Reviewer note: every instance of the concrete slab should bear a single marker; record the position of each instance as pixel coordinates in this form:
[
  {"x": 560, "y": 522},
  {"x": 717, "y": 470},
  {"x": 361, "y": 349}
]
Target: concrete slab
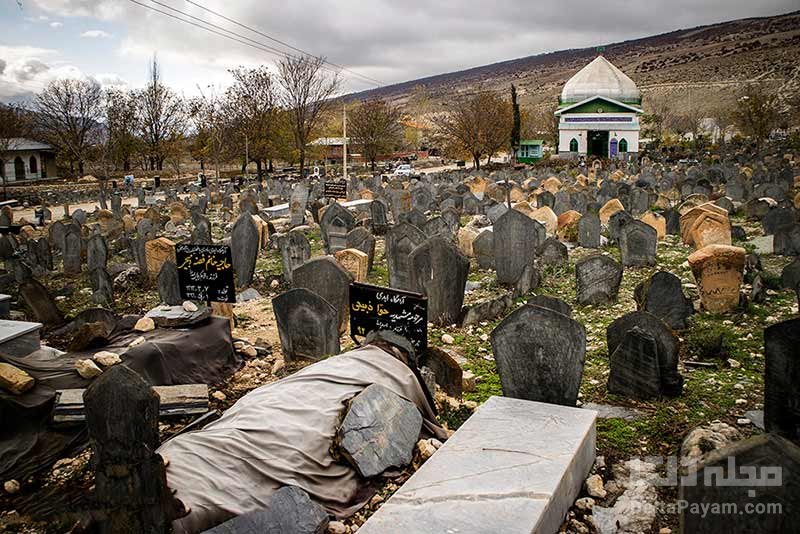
[
  {"x": 514, "y": 467},
  {"x": 19, "y": 338}
]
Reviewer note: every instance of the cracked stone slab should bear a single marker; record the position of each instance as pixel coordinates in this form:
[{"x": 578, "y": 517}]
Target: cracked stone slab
[
  {"x": 514, "y": 466},
  {"x": 379, "y": 431}
]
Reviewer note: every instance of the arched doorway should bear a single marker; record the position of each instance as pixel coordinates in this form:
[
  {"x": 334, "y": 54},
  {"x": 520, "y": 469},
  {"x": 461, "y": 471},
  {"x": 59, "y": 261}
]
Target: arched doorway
[
  {"x": 19, "y": 169},
  {"x": 612, "y": 148},
  {"x": 573, "y": 145},
  {"x": 33, "y": 165},
  {"x": 623, "y": 145}
]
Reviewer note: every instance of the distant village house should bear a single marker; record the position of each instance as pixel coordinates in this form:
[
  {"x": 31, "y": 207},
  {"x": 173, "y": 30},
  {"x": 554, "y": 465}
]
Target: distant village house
[{"x": 26, "y": 159}]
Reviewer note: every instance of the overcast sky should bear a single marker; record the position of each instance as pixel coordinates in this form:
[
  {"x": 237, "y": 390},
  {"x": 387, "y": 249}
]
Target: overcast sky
[{"x": 391, "y": 41}]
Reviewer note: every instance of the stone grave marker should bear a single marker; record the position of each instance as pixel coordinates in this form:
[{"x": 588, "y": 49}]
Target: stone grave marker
[
  {"x": 362, "y": 239},
  {"x": 325, "y": 277},
  {"x": 540, "y": 355},
  {"x": 718, "y": 270},
  {"x": 597, "y": 280},
  {"x": 781, "y": 376},
  {"x": 401, "y": 240},
  {"x": 245, "y": 245},
  {"x": 589, "y": 231},
  {"x": 295, "y": 250},
  {"x": 637, "y": 243},
  {"x": 439, "y": 271},
  {"x": 516, "y": 239},
  {"x": 308, "y": 325},
  {"x": 662, "y": 295}
]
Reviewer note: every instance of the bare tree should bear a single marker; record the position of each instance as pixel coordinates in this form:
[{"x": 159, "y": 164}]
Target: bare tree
[
  {"x": 14, "y": 124},
  {"x": 375, "y": 128},
  {"x": 162, "y": 118},
  {"x": 307, "y": 92},
  {"x": 252, "y": 103},
  {"x": 68, "y": 113},
  {"x": 478, "y": 127},
  {"x": 659, "y": 114},
  {"x": 757, "y": 113},
  {"x": 121, "y": 123},
  {"x": 211, "y": 118}
]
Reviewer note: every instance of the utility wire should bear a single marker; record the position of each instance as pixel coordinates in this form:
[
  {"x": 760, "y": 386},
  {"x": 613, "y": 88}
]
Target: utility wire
[
  {"x": 234, "y": 36},
  {"x": 273, "y": 39}
]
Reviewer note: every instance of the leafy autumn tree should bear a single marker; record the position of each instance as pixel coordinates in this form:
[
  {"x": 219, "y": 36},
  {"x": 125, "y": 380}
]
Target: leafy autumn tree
[
  {"x": 68, "y": 115},
  {"x": 757, "y": 113},
  {"x": 306, "y": 94},
  {"x": 479, "y": 127},
  {"x": 375, "y": 127}
]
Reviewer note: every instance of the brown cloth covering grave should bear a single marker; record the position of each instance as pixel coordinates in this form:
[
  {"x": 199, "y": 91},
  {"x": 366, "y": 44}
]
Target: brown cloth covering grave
[
  {"x": 280, "y": 435},
  {"x": 201, "y": 354}
]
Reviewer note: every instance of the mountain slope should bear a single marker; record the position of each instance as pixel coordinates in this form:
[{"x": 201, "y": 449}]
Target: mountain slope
[{"x": 704, "y": 64}]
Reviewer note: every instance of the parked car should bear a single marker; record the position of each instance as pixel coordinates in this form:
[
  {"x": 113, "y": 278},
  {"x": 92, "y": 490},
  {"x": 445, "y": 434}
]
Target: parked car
[{"x": 403, "y": 170}]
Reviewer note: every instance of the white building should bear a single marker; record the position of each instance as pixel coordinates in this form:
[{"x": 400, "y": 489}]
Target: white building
[
  {"x": 26, "y": 159},
  {"x": 599, "y": 113}
]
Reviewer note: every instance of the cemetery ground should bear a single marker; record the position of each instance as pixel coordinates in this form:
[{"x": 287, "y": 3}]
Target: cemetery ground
[{"x": 721, "y": 359}]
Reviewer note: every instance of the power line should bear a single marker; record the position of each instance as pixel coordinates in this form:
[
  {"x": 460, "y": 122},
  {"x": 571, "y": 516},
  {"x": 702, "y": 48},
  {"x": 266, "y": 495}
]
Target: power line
[
  {"x": 282, "y": 42},
  {"x": 234, "y": 36}
]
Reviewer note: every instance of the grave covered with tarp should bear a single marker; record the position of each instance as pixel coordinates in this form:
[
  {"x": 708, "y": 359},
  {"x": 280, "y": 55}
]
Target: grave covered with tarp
[
  {"x": 281, "y": 434},
  {"x": 201, "y": 354}
]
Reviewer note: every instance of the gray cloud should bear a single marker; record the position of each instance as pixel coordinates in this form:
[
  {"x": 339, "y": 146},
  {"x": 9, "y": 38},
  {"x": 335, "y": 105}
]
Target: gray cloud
[
  {"x": 2, "y": 66},
  {"x": 397, "y": 41}
]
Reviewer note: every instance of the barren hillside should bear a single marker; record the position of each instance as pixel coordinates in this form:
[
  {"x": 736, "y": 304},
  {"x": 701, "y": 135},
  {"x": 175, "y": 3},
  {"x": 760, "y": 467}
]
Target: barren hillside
[{"x": 706, "y": 64}]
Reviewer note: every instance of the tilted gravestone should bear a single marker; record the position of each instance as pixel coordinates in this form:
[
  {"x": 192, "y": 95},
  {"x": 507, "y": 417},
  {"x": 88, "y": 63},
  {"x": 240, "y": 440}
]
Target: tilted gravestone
[
  {"x": 553, "y": 253},
  {"x": 201, "y": 233},
  {"x": 662, "y": 295},
  {"x": 781, "y": 377},
  {"x": 295, "y": 251},
  {"x": 597, "y": 280},
  {"x": 325, "y": 277},
  {"x": 637, "y": 244},
  {"x": 551, "y": 303},
  {"x": 72, "y": 251},
  {"x": 38, "y": 299},
  {"x": 102, "y": 285},
  {"x": 336, "y": 222},
  {"x": 516, "y": 239},
  {"x": 96, "y": 253},
  {"x": 401, "y": 240},
  {"x": 377, "y": 211},
  {"x": 439, "y": 271},
  {"x": 308, "y": 325},
  {"x": 540, "y": 355},
  {"x": 245, "y": 244},
  {"x": 671, "y": 380}
]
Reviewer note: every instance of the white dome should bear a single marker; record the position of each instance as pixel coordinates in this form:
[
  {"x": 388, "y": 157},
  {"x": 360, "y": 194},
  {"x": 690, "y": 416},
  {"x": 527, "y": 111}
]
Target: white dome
[{"x": 600, "y": 78}]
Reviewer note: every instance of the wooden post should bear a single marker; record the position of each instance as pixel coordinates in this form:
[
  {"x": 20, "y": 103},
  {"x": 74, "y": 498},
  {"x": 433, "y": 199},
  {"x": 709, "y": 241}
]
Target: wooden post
[{"x": 130, "y": 478}]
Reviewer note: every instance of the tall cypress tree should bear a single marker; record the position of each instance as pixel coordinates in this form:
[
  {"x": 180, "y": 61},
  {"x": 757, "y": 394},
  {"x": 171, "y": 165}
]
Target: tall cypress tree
[{"x": 515, "y": 129}]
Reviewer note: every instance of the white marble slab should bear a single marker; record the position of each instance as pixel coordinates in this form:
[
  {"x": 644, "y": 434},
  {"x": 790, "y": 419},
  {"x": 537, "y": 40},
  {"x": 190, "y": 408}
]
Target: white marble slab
[
  {"x": 19, "y": 338},
  {"x": 514, "y": 467}
]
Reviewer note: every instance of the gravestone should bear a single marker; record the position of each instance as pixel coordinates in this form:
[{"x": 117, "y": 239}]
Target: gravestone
[
  {"x": 551, "y": 303},
  {"x": 781, "y": 376},
  {"x": 439, "y": 271},
  {"x": 201, "y": 233},
  {"x": 361, "y": 239},
  {"x": 718, "y": 270},
  {"x": 553, "y": 253},
  {"x": 158, "y": 251},
  {"x": 330, "y": 281},
  {"x": 662, "y": 295},
  {"x": 336, "y": 222},
  {"x": 355, "y": 262},
  {"x": 297, "y": 205},
  {"x": 637, "y": 244},
  {"x": 96, "y": 253},
  {"x": 483, "y": 249},
  {"x": 38, "y": 299},
  {"x": 308, "y": 325},
  {"x": 72, "y": 251},
  {"x": 597, "y": 280},
  {"x": 295, "y": 251},
  {"x": 401, "y": 240},
  {"x": 589, "y": 231},
  {"x": 380, "y": 223},
  {"x": 667, "y": 343},
  {"x": 634, "y": 366},
  {"x": 130, "y": 484},
  {"x": 516, "y": 239},
  {"x": 751, "y": 486},
  {"x": 540, "y": 355},
  {"x": 168, "y": 287},
  {"x": 103, "y": 287},
  {"x": 245, "y": 244}
]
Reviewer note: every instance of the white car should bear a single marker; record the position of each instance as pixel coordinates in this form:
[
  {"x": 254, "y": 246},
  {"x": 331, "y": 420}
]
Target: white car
[{"x": 403, "y": 170}]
